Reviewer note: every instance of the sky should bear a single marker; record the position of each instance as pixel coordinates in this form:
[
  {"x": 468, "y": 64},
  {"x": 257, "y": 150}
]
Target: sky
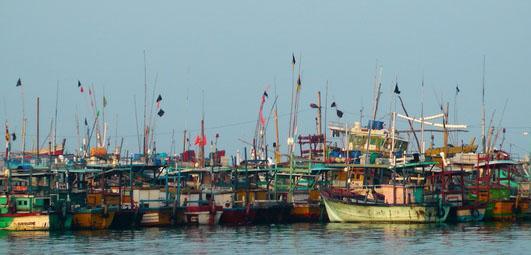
[{"x": 234, "y": 50}]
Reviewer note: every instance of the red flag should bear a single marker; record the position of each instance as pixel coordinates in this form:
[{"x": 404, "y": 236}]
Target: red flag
[
  {"x": 261, "y": 113},
  {"x": 81, "y": 89},
  {"x": 90, "y": 92},
  {"x": 200, "y": 141}
]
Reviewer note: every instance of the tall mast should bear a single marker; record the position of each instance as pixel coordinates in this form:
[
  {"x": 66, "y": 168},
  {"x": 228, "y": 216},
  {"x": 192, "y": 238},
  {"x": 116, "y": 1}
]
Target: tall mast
[
  {"x": 377, "y": 86},
  {"x": 136, "y": 122},
  {"x": 319, "y": 120},
  {"x": 483, "y": 140},
  {"x": 290, "y": 136},
  {"x": 38, "y": 127},
  {"x": 277, "y": 138},
  {"x": 144, "y": 147},
  {"x": 55, "y": 117},
  {"x": 203, "y": 143},
  {"x": 325, "y": 149},
  {"x": 24, "y": 122},
  {"x": 422, "y": 143}
]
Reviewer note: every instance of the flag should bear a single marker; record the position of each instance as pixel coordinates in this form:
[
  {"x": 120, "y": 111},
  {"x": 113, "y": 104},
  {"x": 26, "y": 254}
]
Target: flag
[
  {"x": 314, "y": 106},
  {"x": 78, "y": 83},
  {"x": 299, "y": 83},
  {"x": 86, "y": 122},
  {"x": 14, "y": 136},
  {"x": 333, "y": 105},
  {"x": 397, "y": 91},
  {"x": 8, "y": 137},
  {"x": 159, "y": 98},
  {"x": 81, "y": 89},
  {"x": 293, "y": 59},
  {"x": 265, "y": 94},
  {"x": 160, "y": 113},
  {"x": 97, "y": 113},
  {"x": 104, "y": 101},
  {"x": 19, "y": 82},
  {"x": 261, "y": 112},
  {"x": 90, "y": 91},
  {"x": 457, "y": 90},
  {"x": 339, "y": 113},
  {"x": 201, "y": 141}
]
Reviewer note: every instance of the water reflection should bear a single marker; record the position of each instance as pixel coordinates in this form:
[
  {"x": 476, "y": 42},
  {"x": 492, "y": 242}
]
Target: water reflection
[{"x": 293, "y": 239}]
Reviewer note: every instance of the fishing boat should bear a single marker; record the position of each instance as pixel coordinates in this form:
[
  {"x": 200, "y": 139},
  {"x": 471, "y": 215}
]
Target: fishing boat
[
  {"x": 345, "y": 207},
  {"x": 198, "y": 197},
  {"x": 504, "y": 202},
  {"x": 27, "y": 212},
  {"x": 31, "y": 203}
]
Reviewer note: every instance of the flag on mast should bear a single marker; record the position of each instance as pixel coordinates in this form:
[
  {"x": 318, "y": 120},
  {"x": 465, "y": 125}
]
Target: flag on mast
[
  {"x": 159, "y": 98},
  {"x": 261, "y": 113},
  {"x": 19, "y": 82},
  {"x": 397, "y": 90},
  {"x": 299, "y": 83}
]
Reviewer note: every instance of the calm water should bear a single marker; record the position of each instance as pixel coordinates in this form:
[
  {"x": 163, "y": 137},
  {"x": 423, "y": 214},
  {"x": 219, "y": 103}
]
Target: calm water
[{"x": 497, "y": 238}]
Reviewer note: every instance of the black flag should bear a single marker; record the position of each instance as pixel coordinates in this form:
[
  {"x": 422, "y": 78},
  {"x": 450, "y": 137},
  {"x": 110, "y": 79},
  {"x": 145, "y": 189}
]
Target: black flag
[
  {"x": 457, "y": 90},
  {"x": 397, "y": 91},
  {"x": 160, "y": 113},
  {"x": 14, "y": 136},
  {"x": 159, "y": 98},
  {"x": 78, "y": 83},
  {"x": 265, "y": 94},
  {"x": 314, "y": 106},
  {"x": 19, "y": 82},
  {"x": 86, "y": 122},
  {"x": 339, "y": 113},
  {"x": 333, "y": 105},
  {"x": 293, "y": 59}
]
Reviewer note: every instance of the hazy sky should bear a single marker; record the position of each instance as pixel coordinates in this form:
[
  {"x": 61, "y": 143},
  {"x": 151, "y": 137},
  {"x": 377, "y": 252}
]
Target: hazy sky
[{"x": 235, "y": 49}]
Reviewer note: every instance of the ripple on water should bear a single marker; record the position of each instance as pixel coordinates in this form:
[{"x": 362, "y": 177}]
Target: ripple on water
[{"x": 330, "y": 238}]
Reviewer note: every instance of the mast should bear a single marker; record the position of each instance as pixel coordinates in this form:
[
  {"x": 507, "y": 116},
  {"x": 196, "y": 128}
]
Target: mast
[
  {"x": 55, "y": 117},
  {"x": 319, "y": 124},
  {"x": 202, "y": 144},
  {"x": 483, "y": 131},
  {"x": 290, "y": 136},
  {"x": 277, "y": 144},
  {"x": 325, "y": 149},
  {"x": 422, "y": 142},
  {"x": 137, "y": 130},
  {"x": 144, "y": 147},
  {"x": 376, "y": 99},
  {"x": 24, "y": 122},
  {"x": 38, "y": 128},
  {"x": 77, "y": 131}
]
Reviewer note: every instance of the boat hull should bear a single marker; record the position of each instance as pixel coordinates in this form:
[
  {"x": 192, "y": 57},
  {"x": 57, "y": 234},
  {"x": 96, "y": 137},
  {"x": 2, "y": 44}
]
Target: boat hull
[
  {"x": 339, "y": 211},
  {"x": 272, "y": 214},
  {"x": 467, "y": 214},
  {"x": 501, "y": 210},
  {"x": 35, "y": 221},
  {"x": 124, "y": 218},
  {"x": 93, "y": 219},
  {"x": 203, "y": 215},
  {"x": 156, "y": 217},
  {"x": 237, "y": 216},
  {"x": 306, "y": 213}
]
